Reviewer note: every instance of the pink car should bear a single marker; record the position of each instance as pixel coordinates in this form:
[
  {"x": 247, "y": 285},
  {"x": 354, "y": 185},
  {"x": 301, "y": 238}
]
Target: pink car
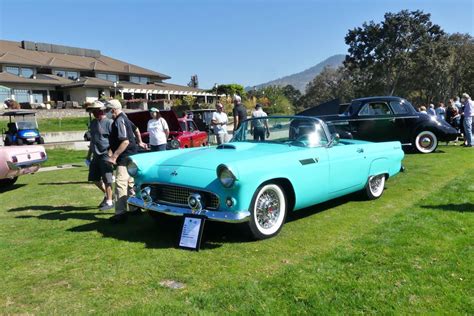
[{"x": 18, "y": 160}]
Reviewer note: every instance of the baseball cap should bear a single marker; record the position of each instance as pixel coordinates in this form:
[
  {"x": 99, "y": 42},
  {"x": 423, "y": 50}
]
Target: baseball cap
[
  {"x": 154, "y": 110},
  {"x": 113, "y": 104},
  {"x": 219, "y": 105}
]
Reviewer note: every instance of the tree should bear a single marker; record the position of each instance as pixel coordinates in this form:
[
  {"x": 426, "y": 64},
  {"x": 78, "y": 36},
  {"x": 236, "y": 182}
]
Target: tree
[
  {"x": 189, "y": 100},
  {"x": 194, "y": 82},
  {"x": 291, "y": 93},
  {"x": 231, "y": 89},
  {"x": 382, "y": 55},
  {"x": 330, "y": 84}
]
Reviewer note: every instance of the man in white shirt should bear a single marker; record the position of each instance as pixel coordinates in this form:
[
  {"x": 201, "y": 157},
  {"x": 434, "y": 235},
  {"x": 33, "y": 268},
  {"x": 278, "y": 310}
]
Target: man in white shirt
[
  {"x": 219, "y": 123},
  {"x": 259, "y": 128},
  {"x": 158, "y": 131}
]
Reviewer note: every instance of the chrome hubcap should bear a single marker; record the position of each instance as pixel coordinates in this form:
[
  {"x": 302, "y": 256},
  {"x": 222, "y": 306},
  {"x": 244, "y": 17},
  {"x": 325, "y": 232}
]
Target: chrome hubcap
[
  {"x": 426, "y": 142},
  {"x": 375, "y": 183},
  {"x": 268, "y": 209}
]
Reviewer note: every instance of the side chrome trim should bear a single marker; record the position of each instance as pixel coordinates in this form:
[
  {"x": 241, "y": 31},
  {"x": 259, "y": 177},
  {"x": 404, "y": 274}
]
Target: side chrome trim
[
  {"x": 228, "y": 217},
  {"x": 373, "y": 119}
]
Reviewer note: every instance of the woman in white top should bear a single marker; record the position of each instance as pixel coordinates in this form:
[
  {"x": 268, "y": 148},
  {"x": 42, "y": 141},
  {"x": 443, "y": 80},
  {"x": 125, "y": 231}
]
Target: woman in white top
[{"x": 158, "y": 131}]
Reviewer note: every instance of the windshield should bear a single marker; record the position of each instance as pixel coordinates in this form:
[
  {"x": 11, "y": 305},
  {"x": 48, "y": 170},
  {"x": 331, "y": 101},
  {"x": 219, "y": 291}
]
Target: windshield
[
  {"x": 294, "y": 131},
  {"x": 26, "y": 122}
]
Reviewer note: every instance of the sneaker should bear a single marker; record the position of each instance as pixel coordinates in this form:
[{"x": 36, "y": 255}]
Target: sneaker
[
  {"x": 118, "y": 218},
  {"x": 135, "y": 212},
  {"x": 106, "y": 207},
  {"x": 104, "y": 201}
]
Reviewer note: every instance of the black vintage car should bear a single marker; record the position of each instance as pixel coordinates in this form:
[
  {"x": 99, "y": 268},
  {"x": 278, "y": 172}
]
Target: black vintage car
[{"x": 387, "y": 118}]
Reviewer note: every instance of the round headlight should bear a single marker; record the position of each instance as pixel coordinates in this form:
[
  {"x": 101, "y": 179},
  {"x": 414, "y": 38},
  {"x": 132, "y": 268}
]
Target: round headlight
[
  {"x": 226, "y": 177},
  {"x": 132, "y": 168}
]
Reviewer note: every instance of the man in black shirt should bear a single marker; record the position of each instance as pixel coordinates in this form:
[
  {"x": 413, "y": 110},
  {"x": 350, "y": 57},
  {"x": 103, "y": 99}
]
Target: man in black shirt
[
  {"x": 239, "y": 112},
  {"x": 122, "y": 145}
]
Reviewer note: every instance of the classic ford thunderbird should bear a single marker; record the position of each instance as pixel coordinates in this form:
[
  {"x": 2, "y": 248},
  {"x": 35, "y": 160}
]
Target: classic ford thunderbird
[{"x": 297, "y": 163}]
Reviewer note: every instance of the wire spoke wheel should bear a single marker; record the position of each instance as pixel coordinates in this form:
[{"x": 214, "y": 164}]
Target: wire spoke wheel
[
  {"x": 269, "y": 209},
  {"x": 375, "y": 186}
]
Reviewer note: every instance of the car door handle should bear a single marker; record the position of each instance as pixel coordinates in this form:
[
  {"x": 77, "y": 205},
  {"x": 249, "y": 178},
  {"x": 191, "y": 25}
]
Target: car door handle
[{"x": 360, "y": 150}]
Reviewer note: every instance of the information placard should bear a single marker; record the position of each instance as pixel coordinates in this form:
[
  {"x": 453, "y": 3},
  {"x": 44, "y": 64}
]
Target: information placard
[{"x": 193, "y": 226}]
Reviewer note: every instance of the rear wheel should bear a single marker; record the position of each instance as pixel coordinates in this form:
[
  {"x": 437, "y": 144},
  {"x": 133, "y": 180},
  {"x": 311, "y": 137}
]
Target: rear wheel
[
  {"x": 375, "y": 186},
  {"x": 425, "y": 142},
  {"x": 19, "y": 141},
  {"x": 4, "y": 183},
  {"x": 268, "y": 211},
  {"x": 8, "y": 141}
]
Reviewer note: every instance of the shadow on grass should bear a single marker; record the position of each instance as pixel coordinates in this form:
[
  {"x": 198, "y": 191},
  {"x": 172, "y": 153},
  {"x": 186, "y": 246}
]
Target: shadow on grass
[
  {"x": 65, "y": 182},
  {"x": 464, "y": 207},
  {"x": 300, "y": 214},
  {"x": 11, "y": 187},
  {"x": 164, "y": 231},
  {"x": 49, "y": 208}
]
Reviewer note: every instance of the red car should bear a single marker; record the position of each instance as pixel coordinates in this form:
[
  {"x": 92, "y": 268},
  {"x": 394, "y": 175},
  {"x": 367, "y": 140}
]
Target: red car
[{"x": 183, "y": 132}]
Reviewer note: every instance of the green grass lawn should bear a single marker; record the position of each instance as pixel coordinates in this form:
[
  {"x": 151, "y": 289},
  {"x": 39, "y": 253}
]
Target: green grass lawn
[
  {"x": 60, "y": 156},
  {"x": 409, "y": 252},
  {"x": 67, "y": 124}
]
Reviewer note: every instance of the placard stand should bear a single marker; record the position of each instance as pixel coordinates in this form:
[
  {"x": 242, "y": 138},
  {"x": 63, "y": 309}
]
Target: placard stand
[{"x": 191, "y": 234}]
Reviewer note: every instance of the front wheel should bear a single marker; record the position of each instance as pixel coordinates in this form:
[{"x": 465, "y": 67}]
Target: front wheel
[
  {"x": 375, "y": 186},
  {"x": 268, "y": 211},
  {"x": 19, "y": 141},
  {"x": 40, "y": 140},
  {"x": 426, "y": 142}
]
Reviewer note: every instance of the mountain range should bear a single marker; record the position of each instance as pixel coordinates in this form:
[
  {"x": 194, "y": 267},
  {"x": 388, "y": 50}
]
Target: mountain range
[{"x": 301, "y": 79}]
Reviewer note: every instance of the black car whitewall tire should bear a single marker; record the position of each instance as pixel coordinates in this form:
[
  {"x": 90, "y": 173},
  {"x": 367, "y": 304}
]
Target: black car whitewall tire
[
  {"x": 375, "y": 186},
  {"x": 426, "y": 142},
  {"x": 268, "y": 209}
]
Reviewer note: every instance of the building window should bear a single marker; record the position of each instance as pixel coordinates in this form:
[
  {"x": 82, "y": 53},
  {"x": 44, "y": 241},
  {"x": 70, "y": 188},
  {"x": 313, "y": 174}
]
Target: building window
[
  {"x": 71, "y": 75},
  {"x": 4, "y": 94},
  {"x": 138, "y": 79},
  {"x": 108, "y": 77},
  {"x": 60, "y": 73},
  {"x": 13, "y": 70},
  {"x": 22, "y": 96},
  {"x": 27, "y": 72}
]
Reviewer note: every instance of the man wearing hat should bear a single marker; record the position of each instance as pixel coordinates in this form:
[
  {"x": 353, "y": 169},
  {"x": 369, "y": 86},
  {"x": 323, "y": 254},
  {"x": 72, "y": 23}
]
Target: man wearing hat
[
  {"x": 122, "y": 145},
  {"x": 468, "y": 111},
  {"x": 158, "y": 130},
  {"x": 100, "y": 172},
  {"x": 219, "y": 122},
  {"x": 259, "y": 127}
]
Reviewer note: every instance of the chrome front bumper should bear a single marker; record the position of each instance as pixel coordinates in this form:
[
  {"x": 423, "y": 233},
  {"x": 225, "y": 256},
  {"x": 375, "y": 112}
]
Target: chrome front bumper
[{"x": 228, "y": 217}]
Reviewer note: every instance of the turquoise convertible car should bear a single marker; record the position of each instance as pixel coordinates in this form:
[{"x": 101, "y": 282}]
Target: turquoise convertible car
[{"x": 298, "y": 163}]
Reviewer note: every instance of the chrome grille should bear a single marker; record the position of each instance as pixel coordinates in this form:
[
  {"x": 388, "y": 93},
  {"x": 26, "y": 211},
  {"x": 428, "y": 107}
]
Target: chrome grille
[{"x": 176, "y": 195}]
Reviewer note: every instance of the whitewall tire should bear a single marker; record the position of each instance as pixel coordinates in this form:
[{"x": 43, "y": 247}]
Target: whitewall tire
[
  {"x": 426, "y": 142},
  {"x": 268, "y": 211},
  {"x": 375, "y": 186}
]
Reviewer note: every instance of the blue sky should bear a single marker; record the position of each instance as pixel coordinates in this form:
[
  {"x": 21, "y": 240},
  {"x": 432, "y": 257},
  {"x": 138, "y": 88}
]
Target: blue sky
[{"x": 245, "y": 42}]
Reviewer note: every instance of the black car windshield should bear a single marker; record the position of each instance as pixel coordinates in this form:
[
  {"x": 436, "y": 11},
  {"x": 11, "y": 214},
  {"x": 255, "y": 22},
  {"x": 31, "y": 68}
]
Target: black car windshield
[{"x": 293, "y": 131}]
